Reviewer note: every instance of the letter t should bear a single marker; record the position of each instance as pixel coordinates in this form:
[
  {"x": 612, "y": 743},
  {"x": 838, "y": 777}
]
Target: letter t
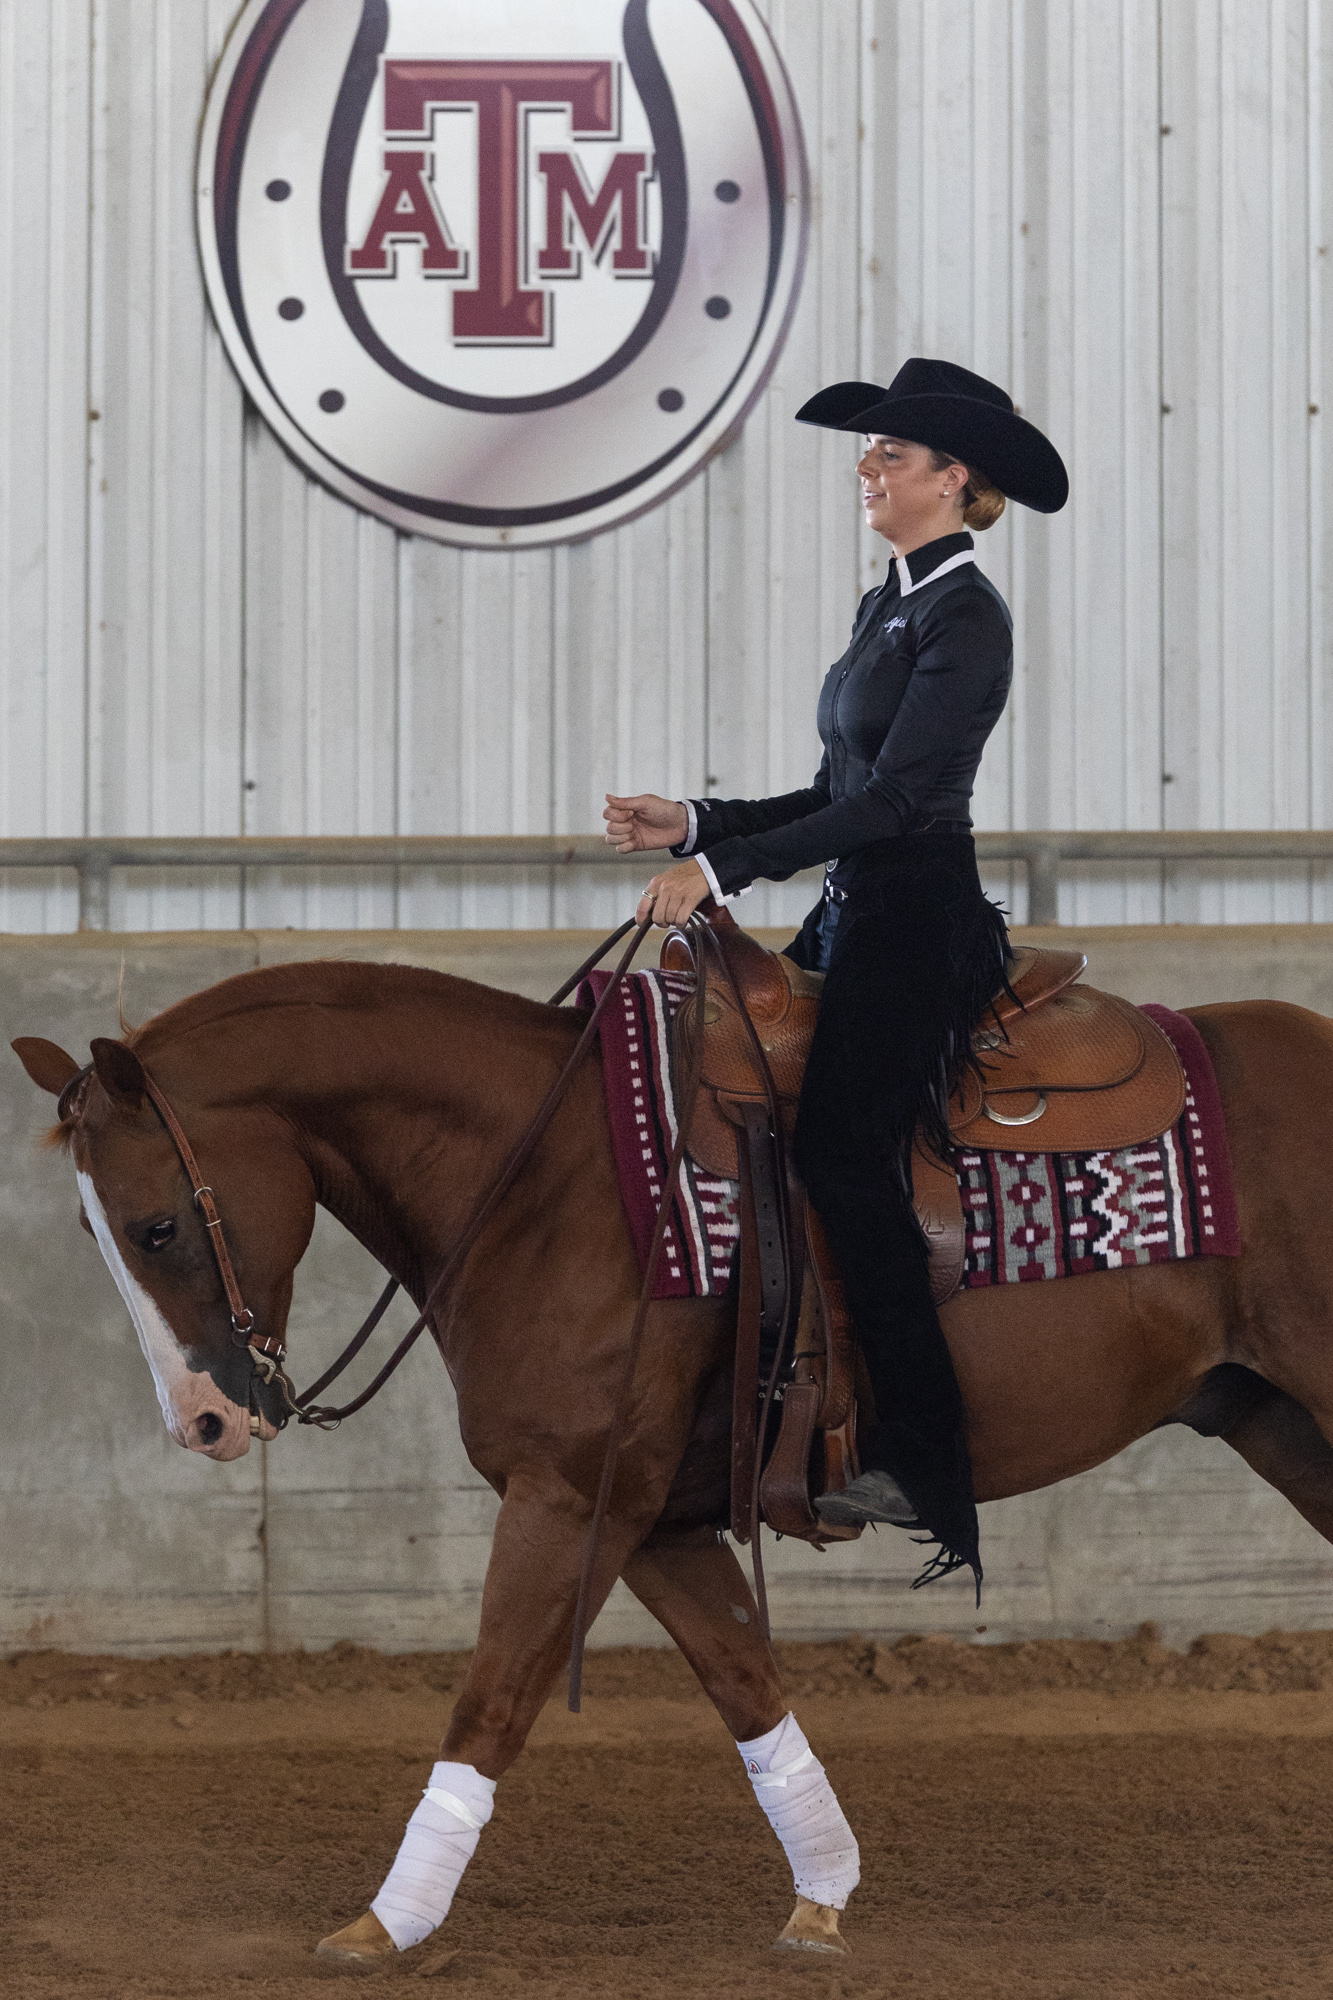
[{"x": 501, "y": 308}]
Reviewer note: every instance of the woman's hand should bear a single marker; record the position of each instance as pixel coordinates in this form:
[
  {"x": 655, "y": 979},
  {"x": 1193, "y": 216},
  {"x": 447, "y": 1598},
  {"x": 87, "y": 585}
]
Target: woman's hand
[
  {"x": 673, "y": 896},
  {"x": 635, "y": 825}
]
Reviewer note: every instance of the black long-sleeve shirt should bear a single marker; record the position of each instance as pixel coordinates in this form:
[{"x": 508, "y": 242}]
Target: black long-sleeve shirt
[{"x": 904, "y": 716}]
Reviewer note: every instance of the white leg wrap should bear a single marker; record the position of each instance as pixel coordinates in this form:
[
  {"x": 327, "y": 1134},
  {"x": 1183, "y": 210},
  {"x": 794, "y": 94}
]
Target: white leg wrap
[
  {"x": 804, "y": 1813},
  {"x": 441, "y": 1839}
]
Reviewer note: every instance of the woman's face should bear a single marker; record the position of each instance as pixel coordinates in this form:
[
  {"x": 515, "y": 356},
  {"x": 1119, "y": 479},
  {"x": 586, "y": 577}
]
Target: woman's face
[{"x": 904, "y": 492}]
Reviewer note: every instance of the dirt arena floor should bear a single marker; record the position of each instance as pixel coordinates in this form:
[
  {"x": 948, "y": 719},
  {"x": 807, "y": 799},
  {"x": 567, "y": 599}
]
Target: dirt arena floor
[{"x": 1043, "y": 1822}]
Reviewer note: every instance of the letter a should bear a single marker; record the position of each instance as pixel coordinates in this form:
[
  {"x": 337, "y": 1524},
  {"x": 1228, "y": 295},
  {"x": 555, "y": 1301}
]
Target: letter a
[{"x": 406, "y": 214}]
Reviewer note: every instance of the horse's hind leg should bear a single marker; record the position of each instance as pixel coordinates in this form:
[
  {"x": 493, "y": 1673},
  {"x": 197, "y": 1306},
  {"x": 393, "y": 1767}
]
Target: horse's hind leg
[
  {"x": 1279, "y": 1438},
  {"x": 694, "y": 1586}
]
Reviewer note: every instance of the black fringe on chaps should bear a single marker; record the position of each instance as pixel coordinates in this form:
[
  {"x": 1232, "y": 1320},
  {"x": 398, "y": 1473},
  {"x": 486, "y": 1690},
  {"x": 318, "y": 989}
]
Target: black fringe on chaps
[{"x": 917, "y": 957}]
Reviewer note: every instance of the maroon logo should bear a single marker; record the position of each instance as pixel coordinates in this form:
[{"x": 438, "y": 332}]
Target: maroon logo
[
  {"x": 502, "y": 271},
  {"x": 500, "y": 306}
]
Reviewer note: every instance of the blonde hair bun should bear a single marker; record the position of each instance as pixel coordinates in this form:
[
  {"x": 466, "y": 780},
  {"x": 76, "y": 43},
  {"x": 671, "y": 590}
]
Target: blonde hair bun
[{"x": 983, "y": 503}]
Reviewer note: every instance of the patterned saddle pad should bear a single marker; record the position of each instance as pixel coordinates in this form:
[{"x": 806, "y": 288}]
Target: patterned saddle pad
[
  {"x": 638, "y": 1074},
  {"x": 1028, "y": 1216},
  {"x": 1058, "y": 1215}
]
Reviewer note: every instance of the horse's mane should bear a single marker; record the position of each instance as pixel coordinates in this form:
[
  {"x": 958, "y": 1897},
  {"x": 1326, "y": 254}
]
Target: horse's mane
[{"x": 326, "y": 982}]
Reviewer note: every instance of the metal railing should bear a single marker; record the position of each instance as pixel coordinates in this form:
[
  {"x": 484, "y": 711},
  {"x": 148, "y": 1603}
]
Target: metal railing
[{"x": 1043, "y": 855}]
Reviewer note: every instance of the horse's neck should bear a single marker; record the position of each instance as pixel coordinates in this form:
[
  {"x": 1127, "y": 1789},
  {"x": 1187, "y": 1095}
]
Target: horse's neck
[{"x": 424, "y": 1103}]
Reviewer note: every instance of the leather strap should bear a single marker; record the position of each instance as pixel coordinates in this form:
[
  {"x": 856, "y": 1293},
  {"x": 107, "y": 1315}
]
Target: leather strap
[
  {"x": 242, "y": 1319},
  {"x": 786, "y": 1483},
  {"x": 354, "y": 1345},
  {"x": 268, "y": 1350},
  {"x": 770, "y": 1238},
  {"x": 745, "y": 1378},
  {"x": 774, "y": 1149},
  {"x": 764, "y": 1302},
  {"x": 595, "y": 958},
  {"x": 517, "y": 1158}
]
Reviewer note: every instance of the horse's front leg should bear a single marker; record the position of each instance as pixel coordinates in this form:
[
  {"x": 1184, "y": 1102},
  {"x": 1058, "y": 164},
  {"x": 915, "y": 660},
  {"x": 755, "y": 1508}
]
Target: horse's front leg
[
  {"x": 694, "y": 1586},
  {"x": 527, "y": 1623}
]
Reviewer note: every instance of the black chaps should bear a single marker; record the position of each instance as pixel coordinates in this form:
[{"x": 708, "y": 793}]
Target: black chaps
[{"x": 913, "y": 958}]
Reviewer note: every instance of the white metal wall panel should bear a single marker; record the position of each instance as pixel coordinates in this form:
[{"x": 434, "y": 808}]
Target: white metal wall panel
[
  {"x": 321, "y": 747},
  {"x": 1118, "y": 209},
  {"x": 1245, "y": 469},
  {"x": 1093, "y": 632},
  {"x": 628, "y": 687},
  {"x": 166, "y": 500},
  {"x": 45, "y": 91},
  {"x": 480, "y": 683}
]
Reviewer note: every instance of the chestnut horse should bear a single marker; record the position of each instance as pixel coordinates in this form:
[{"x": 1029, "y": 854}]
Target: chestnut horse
[{"x": 391, "y": 1096}]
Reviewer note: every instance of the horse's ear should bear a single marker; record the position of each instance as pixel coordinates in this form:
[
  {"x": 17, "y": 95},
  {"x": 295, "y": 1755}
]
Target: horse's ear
[
  {"x": 119, "y": 1072},
  {"x": 48, "y": 1066}
]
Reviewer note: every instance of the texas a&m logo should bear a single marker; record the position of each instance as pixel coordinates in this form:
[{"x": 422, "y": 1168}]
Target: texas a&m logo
[
  {"x": 506, "y": 299},
  {"x": 502, "y": 271}
]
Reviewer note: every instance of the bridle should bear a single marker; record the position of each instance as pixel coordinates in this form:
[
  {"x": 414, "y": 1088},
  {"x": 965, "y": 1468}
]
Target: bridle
[{"x": 268, "y": 1351}]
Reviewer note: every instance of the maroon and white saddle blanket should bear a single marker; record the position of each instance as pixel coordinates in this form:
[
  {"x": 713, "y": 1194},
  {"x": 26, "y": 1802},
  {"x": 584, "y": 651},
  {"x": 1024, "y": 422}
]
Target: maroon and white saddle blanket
[
  {"x": 638, "y": 1075},
  {"x": 1027, "y": 1215}
]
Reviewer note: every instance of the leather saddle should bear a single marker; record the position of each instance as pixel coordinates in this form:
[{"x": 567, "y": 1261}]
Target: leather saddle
[{"x": 1064, "y": 1069}]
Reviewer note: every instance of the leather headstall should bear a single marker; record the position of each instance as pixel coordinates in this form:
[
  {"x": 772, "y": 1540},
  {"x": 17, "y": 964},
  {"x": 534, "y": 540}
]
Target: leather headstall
[
  {"x": 267, "y": 1351},
  {"x": 774, "y": 1232}
]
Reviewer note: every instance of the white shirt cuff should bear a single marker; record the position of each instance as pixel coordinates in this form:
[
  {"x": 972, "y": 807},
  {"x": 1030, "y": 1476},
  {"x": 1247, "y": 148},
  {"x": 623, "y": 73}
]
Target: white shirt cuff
[
  {"x": 686, "y": 846},
  {"x": 714, "y": 886}
]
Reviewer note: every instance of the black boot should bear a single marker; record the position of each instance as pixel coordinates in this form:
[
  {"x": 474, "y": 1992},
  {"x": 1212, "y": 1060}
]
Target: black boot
[
  {"x": 874, "y": 1496},
  {"x": 919, "y": 1441}
]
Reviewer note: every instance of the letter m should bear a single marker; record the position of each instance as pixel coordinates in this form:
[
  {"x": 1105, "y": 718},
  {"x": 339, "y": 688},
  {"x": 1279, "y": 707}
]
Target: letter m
[{"x": 617, "y": 207}]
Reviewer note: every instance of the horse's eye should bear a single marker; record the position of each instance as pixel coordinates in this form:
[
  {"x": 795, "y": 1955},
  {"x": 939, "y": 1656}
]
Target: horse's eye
[{"x": 159, "y": 1235}]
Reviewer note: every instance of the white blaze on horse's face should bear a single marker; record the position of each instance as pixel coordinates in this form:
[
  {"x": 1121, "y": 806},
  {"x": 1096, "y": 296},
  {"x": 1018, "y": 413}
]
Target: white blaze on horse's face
[{"x": 197, "y": 1413}]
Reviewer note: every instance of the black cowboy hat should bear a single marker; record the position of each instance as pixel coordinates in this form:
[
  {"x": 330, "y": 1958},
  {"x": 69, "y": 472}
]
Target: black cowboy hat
[{"x": 951, "y": 409}]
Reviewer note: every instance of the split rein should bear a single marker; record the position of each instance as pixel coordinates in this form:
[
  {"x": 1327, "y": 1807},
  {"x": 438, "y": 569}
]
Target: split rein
[{"x": 267, "y": 1351}]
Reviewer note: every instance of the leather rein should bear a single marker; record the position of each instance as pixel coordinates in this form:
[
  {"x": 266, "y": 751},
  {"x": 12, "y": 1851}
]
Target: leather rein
[{"x": 267, "y": 1351}]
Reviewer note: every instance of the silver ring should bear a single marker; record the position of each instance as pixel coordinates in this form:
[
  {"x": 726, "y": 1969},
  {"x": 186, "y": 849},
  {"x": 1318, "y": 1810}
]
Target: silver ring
[{"x": 1022, "y": 1118}]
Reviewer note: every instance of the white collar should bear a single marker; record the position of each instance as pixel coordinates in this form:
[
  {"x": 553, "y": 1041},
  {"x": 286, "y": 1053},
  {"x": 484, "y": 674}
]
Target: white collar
[{"x": 905, "y": 583}]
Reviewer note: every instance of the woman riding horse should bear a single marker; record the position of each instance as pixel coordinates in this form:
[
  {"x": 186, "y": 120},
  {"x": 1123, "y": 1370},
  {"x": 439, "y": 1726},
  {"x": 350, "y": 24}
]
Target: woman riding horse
[{"x": 913, "y": 951}]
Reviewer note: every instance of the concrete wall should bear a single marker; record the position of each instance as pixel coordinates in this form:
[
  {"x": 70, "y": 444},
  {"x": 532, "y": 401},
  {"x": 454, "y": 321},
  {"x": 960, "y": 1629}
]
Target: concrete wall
[{"x": 113, "y": 1538}]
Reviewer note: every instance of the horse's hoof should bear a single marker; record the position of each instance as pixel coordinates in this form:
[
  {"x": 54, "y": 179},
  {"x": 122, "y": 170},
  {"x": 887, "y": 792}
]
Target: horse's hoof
[
  {"x": 812, "y": 1927},
  {"x": 365, "y": 1943}
]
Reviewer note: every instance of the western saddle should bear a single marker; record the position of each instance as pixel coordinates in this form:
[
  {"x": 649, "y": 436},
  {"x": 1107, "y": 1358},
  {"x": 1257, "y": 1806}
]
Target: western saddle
[{"x": 1066, "y": 1069}]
